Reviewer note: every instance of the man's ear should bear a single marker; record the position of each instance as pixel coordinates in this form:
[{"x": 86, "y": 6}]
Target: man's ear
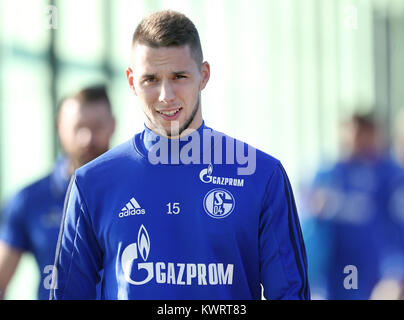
[
  {"x": 129, "y": 76},
  {"x": 205, "y": 72}
]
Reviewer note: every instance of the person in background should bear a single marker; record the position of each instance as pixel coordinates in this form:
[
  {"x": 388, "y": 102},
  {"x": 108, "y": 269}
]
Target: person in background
[
  {"x": 392, "y": 287},
  {"x": 31, "y": 219},
  {"x": 398, "y": 137},
  {"x": 352, "y": 234}
]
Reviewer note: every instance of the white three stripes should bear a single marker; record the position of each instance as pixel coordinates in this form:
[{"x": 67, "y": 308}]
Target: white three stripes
[{"x": 131, "y": 205}]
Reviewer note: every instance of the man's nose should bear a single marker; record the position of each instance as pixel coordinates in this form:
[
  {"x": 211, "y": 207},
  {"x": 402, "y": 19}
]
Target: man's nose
[
  {"x": 166, "y": 92},
  {"x": 84, "y": 137}
]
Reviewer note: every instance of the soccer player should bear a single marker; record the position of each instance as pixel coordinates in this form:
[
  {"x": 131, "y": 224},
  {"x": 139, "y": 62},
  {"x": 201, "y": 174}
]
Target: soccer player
[
  {"x": 398, "y": 137},
  {"x": 179, "y": 211},
  {"x": 356, "y": 240},
  {"x": 32, "y": 218}
]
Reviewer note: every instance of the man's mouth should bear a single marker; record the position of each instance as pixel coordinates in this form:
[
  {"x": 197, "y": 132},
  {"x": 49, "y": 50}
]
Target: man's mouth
[{"x": 169, "y": 113}]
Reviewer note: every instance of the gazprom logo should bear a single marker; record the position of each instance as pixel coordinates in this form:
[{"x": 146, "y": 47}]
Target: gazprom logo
[
  {"x": 144, "y": 242},
  {"x": 172, "y": 273},
  {"x": 205, "y": 175},
  {"x": 218, "y": 203},
  {"x": 130, "y": 254}
]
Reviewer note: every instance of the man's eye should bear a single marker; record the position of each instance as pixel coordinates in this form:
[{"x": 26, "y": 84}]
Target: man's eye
[
  {"x": 179, "y": 76},
  {"x": 149, "y": 80}
]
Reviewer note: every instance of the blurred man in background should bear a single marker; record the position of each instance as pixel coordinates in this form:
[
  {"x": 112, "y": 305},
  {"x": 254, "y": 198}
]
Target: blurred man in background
[
  {"x": 32, "y": 218},
  {"x": 399, "y": 136},
  {"x": 353, "y": 238}
]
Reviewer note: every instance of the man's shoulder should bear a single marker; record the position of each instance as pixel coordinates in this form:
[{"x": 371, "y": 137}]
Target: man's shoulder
[
  {"x": 34, "y": 192},
  {"x": 35, "y": 188}
]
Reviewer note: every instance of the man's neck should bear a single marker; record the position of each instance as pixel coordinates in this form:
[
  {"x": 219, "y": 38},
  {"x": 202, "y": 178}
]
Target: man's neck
[
  {"x": 175, "y": 134},
  {"x": 71, "y": 167}
]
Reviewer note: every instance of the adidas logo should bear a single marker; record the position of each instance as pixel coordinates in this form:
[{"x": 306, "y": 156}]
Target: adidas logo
[{"x": 131, "y": 208}]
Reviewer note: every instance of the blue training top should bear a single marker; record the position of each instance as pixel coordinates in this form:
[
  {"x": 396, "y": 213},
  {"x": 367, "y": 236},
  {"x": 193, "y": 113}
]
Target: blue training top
[
  {"x": 31, "y": 220},
  {"x": 173, "y": 230},
  {"x": 356, "y": 237}
]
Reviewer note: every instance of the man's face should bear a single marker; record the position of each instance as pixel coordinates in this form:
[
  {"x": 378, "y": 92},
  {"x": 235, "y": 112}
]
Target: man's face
[
  {"x": 84, "y": 130},
  {"x": 359, "y": 140},
  {"x": 168, "y": 83}
]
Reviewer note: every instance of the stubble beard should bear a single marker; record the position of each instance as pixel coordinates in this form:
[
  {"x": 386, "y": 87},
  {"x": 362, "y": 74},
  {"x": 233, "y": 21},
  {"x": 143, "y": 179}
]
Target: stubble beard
[{"x": 175, "y": 130}]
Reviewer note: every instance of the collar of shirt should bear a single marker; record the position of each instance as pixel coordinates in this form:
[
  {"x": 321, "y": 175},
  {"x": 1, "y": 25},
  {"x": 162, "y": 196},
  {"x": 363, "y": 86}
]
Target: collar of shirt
[
  {"x": 60, "y": 177},
  {"x": 163, "y": 150}
]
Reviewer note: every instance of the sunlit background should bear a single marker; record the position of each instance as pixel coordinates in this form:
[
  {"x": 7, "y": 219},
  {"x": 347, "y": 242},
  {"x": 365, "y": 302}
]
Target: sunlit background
[{"x": 283, "y": 73}]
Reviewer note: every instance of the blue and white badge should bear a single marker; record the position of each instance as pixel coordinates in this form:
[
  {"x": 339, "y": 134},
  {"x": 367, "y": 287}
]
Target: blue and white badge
[{"x": 219, "y": 203}]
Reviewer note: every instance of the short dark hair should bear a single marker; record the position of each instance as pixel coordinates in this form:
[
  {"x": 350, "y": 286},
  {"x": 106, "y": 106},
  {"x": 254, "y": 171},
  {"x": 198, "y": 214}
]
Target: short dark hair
[
  {"x": 365, "y": 120},
  {"x": 169, "y": 29},
  {"x": 88, "y": 95},
  {"x": 93, "y": 94}
]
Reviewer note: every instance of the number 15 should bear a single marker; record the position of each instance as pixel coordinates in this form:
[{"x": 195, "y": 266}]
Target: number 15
[{"x": 173, "y": 208}]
